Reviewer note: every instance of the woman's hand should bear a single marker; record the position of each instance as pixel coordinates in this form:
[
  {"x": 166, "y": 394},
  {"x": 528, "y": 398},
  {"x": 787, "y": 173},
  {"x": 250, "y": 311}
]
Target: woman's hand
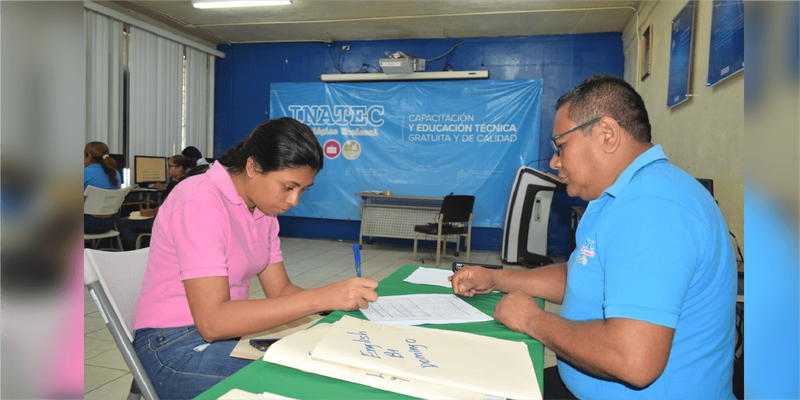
[{"x": 350, "y": 294}]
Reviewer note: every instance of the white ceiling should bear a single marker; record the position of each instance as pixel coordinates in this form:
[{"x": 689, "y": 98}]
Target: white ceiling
[{"x": 346, "y": 20}]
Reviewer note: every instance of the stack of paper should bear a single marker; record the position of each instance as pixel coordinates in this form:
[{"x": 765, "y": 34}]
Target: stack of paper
[
  {"x": 296, "y": 351},
  {"x": 430, "y": 276},
  {"x": 238, "y": 394},
  {"x": 426, "y": 363},
  {"x": 417, "y": 309}
]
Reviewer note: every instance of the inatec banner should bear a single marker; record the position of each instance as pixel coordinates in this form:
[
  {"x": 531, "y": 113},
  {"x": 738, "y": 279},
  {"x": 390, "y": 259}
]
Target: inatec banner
[{"x": 415, "y": 139}]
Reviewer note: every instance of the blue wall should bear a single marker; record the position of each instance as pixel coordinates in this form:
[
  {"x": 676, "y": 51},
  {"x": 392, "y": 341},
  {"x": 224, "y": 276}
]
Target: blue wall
[{"x": 244, "y": 76}]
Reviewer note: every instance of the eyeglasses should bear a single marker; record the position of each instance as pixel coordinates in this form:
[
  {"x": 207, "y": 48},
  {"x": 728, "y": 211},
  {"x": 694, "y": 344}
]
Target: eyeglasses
[{"x": 553, "y": 139}]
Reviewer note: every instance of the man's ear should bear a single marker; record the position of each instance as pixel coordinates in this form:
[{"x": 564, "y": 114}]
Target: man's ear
[{"x": 611, "y": 134}]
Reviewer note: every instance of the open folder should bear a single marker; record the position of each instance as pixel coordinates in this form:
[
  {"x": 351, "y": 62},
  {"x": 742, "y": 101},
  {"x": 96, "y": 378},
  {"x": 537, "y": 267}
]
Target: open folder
[
  {"x": 420, "y": 362},
  {"x": 295, "y": 351},
  {"x": 243, "y": 349}
]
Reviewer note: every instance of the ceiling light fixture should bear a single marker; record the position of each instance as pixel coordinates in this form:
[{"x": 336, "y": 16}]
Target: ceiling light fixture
[{"x": 238, "y": 3}]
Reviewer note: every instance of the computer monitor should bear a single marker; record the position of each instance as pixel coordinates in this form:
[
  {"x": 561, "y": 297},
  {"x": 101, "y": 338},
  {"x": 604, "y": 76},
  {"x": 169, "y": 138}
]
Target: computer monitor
[
  {"x": 149, "y": 169},
  {"x": 708, "y": 184},
  {"x": 120, "y": 159}
]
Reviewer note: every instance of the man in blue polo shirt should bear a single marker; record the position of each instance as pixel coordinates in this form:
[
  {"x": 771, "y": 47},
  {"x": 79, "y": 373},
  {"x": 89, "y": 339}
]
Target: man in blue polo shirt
[{"x": 648, "y": 297}]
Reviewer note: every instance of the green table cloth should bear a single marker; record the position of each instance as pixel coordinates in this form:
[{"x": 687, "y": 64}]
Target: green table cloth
[{"x": 261, "y": 376}]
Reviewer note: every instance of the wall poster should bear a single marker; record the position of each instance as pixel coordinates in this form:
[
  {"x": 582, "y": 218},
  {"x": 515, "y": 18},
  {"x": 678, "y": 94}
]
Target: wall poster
[
  {"x": 726, "y": 50},
  {"x": 680, "y": 56},
  {"x": 647, "y": 52}
]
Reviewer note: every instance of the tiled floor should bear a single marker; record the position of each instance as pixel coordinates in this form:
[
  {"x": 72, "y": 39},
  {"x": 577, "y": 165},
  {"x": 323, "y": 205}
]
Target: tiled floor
[{"x": 310, "y": 263}]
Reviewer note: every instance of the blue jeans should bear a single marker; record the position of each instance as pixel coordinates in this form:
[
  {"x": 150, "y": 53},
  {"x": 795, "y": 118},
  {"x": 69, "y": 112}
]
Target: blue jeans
[
  {"x": 181, "y": 364},
  {"x": 92, "y": 224},
  {"x": 130, "y": 229}
]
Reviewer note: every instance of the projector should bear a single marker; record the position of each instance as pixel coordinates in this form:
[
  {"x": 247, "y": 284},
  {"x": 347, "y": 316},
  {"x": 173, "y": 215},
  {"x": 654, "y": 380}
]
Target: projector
[
  {"x": 396, "y": 65},
  {"x": 404, "y": 65}
]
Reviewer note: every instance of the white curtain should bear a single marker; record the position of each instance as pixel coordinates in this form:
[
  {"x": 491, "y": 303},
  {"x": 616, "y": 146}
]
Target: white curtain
[
  {"x": 198, "y": 110},
  {"x": 104, "y": 69},
  {"x": 155, "y": 95}
]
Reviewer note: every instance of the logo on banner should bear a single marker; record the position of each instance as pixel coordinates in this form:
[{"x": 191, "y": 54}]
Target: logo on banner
[
  {"x": 352, "y": 149},
  {"x": 332, "y": 149}
]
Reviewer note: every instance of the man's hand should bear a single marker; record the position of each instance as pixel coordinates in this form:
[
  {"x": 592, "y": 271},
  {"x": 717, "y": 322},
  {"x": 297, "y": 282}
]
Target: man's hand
[
  {"x": 515, "y": 310},
  {"x": 470, "y": 280}
]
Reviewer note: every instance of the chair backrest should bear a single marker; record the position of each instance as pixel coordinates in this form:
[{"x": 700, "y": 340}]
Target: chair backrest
[
  {"x": 457, "y": 208},
  {"x": 103, "y": 201},
  {"x": 120, "y": 273}
]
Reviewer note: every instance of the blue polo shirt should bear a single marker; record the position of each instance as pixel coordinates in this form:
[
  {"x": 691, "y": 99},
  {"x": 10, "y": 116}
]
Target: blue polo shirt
[
  {"x": 655, "y": 247},
  {"x": 93, "y": 175}
]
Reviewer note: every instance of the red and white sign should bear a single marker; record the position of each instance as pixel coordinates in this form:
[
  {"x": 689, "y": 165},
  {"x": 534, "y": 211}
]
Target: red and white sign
[{"x": 332, "y": 149}]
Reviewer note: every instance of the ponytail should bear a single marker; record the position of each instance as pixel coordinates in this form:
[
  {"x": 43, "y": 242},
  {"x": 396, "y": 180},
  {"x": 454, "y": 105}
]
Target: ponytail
[
  {"x": 274, "y": 145},
  {"x": 110, "y": 168},
  {"x": 235, "y": 159}
]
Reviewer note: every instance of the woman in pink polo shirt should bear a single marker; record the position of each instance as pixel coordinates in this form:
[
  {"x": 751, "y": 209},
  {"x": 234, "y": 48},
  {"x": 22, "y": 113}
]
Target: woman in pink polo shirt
[{"x": 213, "y": 234}]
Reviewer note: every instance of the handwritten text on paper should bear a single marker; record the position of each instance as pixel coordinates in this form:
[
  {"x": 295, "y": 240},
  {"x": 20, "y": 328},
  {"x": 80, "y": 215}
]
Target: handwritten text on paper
[{"x": 371, "y": 350}]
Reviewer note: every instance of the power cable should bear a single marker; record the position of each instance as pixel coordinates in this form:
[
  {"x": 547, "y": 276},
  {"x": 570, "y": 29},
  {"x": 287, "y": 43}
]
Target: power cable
[{"x": 436, "y": 58}]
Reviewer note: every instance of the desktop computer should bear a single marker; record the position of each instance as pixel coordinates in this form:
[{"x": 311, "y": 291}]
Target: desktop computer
[
  {"x": 149, "y": 170},
  {"x": 528, "y": 218}
]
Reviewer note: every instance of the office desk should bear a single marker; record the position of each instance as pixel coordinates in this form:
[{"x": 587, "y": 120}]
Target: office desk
[
  {"x": 261, "y": 376},
  {"x": 395, "y": 216},
  {"x": 142, "y": 197}
]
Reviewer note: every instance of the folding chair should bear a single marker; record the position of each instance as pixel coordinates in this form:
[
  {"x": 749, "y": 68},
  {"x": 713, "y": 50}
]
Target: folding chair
[
  {"x": 454, "y": 218},
  {"x": 114, "y": 280},
  {"x": 140, "y": 237},
  {"x": 103, "y": 202}
]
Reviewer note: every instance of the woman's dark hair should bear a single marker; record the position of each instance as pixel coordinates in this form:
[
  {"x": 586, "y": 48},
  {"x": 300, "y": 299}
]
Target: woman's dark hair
[
  {"x": 182, "y": 162},
  {"x": 98, "y": 151},
  {"x": 192, "y": 153},
  {"x": 274, "y": 145}
]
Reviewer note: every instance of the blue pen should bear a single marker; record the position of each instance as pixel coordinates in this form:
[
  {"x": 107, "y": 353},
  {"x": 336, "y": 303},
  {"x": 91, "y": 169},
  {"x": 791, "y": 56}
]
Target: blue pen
[{"x": 357, "y": 255}]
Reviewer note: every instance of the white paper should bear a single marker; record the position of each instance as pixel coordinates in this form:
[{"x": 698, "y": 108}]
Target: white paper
[
  {"x": 417, "y": 309},
  {"x": 136, "y": 215},
  {"x": 430, "y": 276},
  {"x": 295, "y": 351},
  {"x": 238, "y": 394},
  {"x": 460, "y": 360}
]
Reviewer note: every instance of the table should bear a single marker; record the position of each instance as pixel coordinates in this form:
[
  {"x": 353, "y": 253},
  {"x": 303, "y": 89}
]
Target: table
[
  {"x": 141, "y": 197},
  {"x": 392, "y": 216},
  {"x": 261, "y": 376}
]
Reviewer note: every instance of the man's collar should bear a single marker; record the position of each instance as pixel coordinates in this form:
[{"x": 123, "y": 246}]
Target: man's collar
[{"x": 653, "y": 154}]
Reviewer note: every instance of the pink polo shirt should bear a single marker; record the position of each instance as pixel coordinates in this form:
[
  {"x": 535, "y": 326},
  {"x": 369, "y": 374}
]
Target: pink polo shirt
[{"x": 203, "y": 229}]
